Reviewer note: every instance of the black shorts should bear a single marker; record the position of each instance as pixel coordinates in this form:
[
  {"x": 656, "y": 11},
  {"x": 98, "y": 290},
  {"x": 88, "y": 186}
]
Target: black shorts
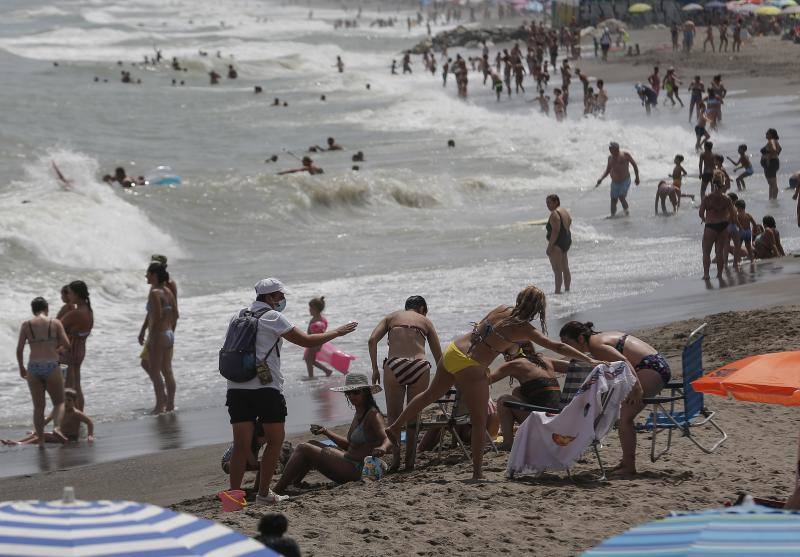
[{"x": 266, "y": 406}]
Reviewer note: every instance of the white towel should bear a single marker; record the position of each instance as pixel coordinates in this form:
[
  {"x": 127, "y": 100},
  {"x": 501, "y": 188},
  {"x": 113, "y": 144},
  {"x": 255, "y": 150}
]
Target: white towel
[{"x": 554, "y": 442}]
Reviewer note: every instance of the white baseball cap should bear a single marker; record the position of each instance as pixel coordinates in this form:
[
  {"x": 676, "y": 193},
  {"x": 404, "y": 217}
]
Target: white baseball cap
[{"x": 269, "y": 286}]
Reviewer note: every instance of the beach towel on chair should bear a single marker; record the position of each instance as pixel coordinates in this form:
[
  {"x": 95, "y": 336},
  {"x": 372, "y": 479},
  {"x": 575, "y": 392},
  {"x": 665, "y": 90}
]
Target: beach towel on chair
[{"x": 555, "y": 441}]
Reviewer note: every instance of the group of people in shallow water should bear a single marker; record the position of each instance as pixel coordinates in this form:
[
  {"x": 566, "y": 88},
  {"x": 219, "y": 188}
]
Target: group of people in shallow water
[
  {"x": 57, "y": 349},
  {"x": 412, "y": 383}
]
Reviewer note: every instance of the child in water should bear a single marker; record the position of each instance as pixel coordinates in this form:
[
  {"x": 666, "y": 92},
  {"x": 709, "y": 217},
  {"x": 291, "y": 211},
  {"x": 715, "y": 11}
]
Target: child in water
[
  {"x": 318, "y": 324},
  {"x": 742, "y": 164},
  {"x": 678, "y": 172}
]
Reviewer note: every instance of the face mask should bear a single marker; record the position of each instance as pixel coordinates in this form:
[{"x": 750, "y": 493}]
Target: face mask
[{"x": 280, "y": 306}]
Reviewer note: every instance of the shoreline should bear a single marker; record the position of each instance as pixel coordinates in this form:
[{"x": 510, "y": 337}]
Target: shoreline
[{"x": 451, "y": 512}]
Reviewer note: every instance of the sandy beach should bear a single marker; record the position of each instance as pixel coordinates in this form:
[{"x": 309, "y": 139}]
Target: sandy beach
[{"x": 435, "y": 510}]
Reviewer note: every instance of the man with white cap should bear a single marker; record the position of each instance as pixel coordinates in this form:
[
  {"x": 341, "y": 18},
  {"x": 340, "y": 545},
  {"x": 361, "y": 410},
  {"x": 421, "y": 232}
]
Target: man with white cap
[
  {"x": 262, "y": 401},
  {"x": 617, "y": 167}
]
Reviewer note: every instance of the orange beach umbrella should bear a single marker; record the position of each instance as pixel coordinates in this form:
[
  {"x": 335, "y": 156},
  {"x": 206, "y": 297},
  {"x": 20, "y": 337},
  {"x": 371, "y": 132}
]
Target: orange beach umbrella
[{"x": 769, "y": 378}]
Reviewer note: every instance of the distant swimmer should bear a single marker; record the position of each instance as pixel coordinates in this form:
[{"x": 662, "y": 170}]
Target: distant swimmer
[
  {"x": 175, "y": 64},
  {"x": 121, "y": 177},
  {"x": 617, "y": 167},
  {"x": 232, "y": 73},
  {"x": 308, "y": 166},
  {"x": 66, "y": 184},
  {"x": 358, "y": 157},
  {"x": 332, "y": 146},
  {"x": 214, "y": 77},
  {"x": 339, "y": 64}
]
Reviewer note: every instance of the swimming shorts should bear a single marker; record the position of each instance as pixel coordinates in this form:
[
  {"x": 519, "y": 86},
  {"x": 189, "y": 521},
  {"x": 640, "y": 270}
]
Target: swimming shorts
[
  {"x": 666, "y": 189},
  {"x": 733, "y": 229},
  {"x": 706, "y": 176},
  {"x": 749, "y": 172},
  {"x": 454, "y": 360},
  {"x": 746, "y": 236},
  {"x": 699, "y": 131},
  {"x": 717, "y": 226},
  {"x": 793, "y": 182},
  {"x": 42, "y": 370},
  {"x": 620, "y": 189}
]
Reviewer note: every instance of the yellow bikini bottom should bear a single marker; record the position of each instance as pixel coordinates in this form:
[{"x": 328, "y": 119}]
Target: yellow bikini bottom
[{"x": 454, "y": 360}]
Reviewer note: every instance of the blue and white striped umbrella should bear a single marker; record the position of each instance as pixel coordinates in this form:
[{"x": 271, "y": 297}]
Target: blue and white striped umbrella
[
  {"x": 744, "y": 531},
  {"x": 114, "y": 528}
]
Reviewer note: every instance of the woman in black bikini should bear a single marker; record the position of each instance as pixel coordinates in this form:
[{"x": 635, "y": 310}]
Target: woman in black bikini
[
  {"x": 537, "y": 385},
  {"x": 559, "y": 240},
  {"x": 406, "y": 372},
  {"x": 716, "y": 211},
  {"x": 770, "y": 161}
]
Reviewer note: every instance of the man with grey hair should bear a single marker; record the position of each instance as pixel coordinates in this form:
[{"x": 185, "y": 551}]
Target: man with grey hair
[{"x": 617, "y": 167}]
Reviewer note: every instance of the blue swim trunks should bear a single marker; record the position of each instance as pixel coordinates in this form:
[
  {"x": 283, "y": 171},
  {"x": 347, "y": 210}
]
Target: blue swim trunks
[{"x": 620, "y": 189}]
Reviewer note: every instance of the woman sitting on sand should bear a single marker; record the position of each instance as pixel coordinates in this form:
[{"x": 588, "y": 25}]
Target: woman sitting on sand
[
  {"x": 767, "y": 243},
  {"x": 406, "y": 371},
  {"x": 537, "y": 385},
  {"x": 651, "y": 369},
  {"x": 344, "y": 463},
  {"x": 466, "y": 361}
]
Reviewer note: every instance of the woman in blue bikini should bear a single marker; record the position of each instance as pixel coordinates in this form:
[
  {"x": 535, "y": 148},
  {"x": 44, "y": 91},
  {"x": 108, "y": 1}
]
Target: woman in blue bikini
[
  {"x": 45, "y": 337},
  {"x": 650, "y": 368}
]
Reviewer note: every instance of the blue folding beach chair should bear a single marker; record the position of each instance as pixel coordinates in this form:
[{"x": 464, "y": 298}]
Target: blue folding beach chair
[{"x": 686, "y": 408}]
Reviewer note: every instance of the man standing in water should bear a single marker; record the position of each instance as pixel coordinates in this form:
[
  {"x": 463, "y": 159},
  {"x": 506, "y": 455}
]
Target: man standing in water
[{"x": 620, "y": 176}]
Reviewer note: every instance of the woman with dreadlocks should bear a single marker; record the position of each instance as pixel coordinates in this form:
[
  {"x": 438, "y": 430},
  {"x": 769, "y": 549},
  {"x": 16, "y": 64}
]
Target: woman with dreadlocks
[{"x": 465, "y": 363}]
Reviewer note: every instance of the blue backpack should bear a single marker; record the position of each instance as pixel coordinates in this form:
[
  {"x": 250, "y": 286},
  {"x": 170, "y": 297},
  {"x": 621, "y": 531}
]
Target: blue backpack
[{"x": 237, "y": 358}]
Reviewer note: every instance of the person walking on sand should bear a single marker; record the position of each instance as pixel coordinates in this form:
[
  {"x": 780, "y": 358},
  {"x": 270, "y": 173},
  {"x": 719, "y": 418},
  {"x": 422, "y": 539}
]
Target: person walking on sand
[
  {"x": 160, "y": 324},
  {"x": 716, "y": 213},
  {"x": 45, "y": 337},
  {"x": 78, "y": 325},
  {"x": 617, "y": 167},
  {"x": 770, "y": 161},
  {"x": 559, "y": 240},
  {"x": 406, "y": 372},
  {"x": 318, "y": 324},
  {"x": 650, "y": 368},
  {"x": 261, "y": 399},
  {"x": 466, "y": 362}
]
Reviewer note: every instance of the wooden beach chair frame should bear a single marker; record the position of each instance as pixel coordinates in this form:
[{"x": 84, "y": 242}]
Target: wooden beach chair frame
[
  {"x": 576, "y": 376},
  {"x": 693, "y": 413}
]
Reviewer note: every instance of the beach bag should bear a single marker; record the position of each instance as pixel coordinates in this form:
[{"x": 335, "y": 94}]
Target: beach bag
[{"x": 237, "y": 357}]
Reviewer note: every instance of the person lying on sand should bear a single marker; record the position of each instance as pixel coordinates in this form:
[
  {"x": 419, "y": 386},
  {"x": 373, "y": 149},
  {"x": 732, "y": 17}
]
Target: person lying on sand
[
  {"x": 651, "y": 369},
  {"x": 345, "y": 462},
  {"x": 537, "y": 385},
  {"x": 308, "y": 166},
  {"x": 70, "y": 425}
]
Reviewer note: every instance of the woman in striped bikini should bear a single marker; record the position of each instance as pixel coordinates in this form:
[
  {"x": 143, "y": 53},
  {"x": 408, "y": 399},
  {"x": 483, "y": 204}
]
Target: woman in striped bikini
[{"x": 406, "y": 372}]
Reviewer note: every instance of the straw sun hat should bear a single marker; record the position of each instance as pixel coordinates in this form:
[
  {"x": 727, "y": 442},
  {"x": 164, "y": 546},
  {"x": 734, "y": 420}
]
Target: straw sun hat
[{"x": 356, "y": 381}]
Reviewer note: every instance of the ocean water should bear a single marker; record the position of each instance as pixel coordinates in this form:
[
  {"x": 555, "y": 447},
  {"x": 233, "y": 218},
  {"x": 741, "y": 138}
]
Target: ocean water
[{"x": 418, "y": 218}]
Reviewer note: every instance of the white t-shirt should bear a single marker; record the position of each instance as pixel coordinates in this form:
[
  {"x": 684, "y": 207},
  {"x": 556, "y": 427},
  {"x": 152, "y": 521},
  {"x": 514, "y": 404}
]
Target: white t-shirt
[{"x": 271, "y": 326}]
